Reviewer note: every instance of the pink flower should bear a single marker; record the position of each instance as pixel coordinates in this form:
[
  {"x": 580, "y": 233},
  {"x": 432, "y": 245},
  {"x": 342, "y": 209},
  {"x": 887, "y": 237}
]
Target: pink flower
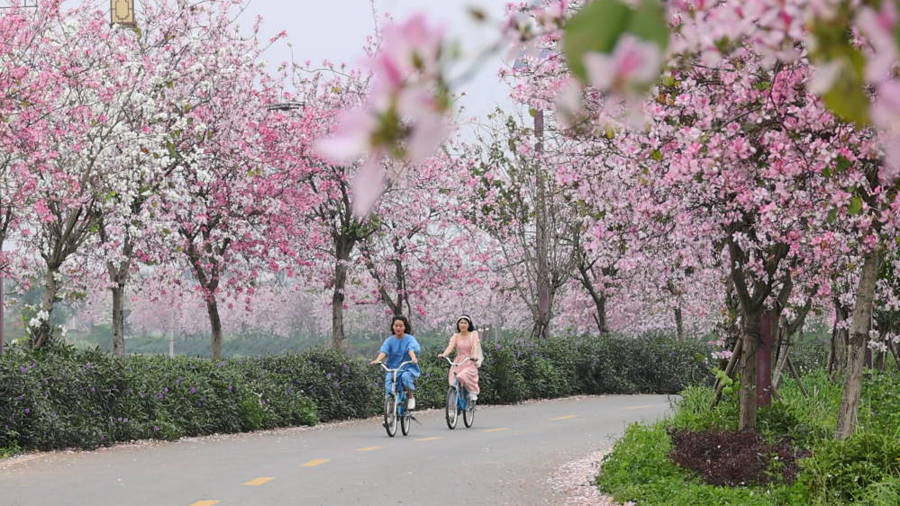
[
  {"x": 43, "y": 212},
  {"x": 350, "y": 139},
  {"x": 878, "y": 28},
  {"x": 551, "y": 16},
  {"x": 404, "y": 113},
  {"x": 368, "y": 184},
  {"x": 429, "y": 128},
  {"x": 633, "y": 64},
  {"x": 411, "y": 49},
  {"x": 886, "y": 116}
]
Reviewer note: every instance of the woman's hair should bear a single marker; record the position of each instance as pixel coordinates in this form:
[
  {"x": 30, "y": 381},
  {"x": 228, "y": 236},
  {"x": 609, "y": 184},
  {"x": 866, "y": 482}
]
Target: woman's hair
[
  {"x": 408, "y": 327},
  {"x": 468, "y": 320}
]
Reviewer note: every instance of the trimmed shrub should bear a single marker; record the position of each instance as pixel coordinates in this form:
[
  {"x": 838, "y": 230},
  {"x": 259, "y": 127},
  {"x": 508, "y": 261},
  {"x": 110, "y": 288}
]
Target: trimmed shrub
[
  {"x": 65, "y": 397},
  {"x": 865, "y": 464}
]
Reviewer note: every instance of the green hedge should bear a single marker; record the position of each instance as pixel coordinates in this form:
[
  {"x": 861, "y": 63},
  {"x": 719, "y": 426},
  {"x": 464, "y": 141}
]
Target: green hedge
[{"x": 63, "y": 397}]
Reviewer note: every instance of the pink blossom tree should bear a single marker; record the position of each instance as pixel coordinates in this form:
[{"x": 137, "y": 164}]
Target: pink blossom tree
[{"x": 227, "y": 196}]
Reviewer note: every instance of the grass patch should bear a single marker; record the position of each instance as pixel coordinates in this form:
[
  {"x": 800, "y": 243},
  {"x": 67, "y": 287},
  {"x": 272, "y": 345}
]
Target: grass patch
[{"x": 864, "y": 469}]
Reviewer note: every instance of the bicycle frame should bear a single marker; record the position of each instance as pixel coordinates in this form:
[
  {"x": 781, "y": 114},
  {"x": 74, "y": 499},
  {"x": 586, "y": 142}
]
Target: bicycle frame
[
  {"x": 401, "y": 406},
  {"x": 462, "y": 398}
]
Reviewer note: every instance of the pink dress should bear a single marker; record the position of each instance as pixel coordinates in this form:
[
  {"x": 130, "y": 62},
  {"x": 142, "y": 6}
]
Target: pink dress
[{"x": 468, "y": 371}]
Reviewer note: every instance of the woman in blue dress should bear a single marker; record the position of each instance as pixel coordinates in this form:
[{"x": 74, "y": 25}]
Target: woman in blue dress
[{"x": 399, "y": 348}]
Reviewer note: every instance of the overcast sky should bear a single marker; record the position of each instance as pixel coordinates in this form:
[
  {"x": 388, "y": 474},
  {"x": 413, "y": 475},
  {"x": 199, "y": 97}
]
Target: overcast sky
[{"x": 336, "y": 30}]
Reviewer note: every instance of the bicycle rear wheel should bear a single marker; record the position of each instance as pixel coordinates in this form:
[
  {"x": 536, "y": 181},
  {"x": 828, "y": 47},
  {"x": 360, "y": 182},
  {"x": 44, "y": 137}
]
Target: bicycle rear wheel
[
  {"x": 469, "y": 413},
  {"x": 452, "y": 411},
  {"x": 390, "y": 415}
]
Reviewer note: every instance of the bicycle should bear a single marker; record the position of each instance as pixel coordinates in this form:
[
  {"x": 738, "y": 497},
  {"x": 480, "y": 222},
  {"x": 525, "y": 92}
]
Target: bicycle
[
  {"x": 395, "y": 405},
  {"x": 458, "y": 401}
]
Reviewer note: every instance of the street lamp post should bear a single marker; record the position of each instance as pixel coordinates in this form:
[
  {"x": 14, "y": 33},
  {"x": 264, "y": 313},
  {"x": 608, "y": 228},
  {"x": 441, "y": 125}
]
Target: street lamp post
[{"x": 121, "y": 12}]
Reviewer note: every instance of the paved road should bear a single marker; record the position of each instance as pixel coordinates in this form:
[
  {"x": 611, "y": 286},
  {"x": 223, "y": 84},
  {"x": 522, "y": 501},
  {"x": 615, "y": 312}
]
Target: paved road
[{"x": 505, "y": 458}]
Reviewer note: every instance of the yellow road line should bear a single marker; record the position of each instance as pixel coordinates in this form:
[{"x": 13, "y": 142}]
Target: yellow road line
[
  {"x": 643, "y": 406},
  {"x": 498, "y": 429},
  {"x": 567, "y": 417},
  {"x": 432, "y": 438},
  {"x": 315, "y": 462},
  {"x": 255, "y": 482},
  {"x": 369, "y": 448},
  {"x": 205, "y": 502}
]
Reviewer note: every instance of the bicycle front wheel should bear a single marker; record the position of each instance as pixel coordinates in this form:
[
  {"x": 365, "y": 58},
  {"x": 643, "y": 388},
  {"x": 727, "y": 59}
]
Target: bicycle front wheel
[
  {"x": 405, "y": 421},
  {"x": 452, "y": 410},
  {"x": 390, "y": 415},
  {"x": 469, "y": 413}
]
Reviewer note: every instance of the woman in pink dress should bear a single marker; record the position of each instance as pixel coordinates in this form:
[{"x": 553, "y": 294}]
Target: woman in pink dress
[{"x": 467, "y": 344}]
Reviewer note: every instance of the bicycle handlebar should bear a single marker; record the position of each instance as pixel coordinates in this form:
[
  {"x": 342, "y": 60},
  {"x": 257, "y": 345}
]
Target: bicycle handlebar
[
  {"x": 456, "y": 363},
  {"x": 386, "y": 368}
]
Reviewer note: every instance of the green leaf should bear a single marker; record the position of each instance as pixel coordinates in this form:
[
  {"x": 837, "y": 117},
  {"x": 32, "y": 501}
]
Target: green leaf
[
  {"x": 656, "y": 155},
  {"x": 762, "y": 85},
  {"x": 649, "y": 23},
  {"x": 847, "y": 97},
  {"x": 173, "y": 152},
  {"x": 842, "y": 164},
  {"x": 599, "y": 25},
  {"x": 855, "y": 205},
  {"x": 596, "y": 28}
]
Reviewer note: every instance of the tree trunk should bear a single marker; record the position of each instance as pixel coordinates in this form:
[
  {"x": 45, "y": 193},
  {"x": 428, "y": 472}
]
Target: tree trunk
[
  {"x": 837, "y": 361},
  {"x": 599, "y": 298},
  {"x": 859, "y": 336},
  {"x": 42, "y": 334},
  {"x": 602, "y": 321},
  {"x": 786, "y": 333},
  {"x": 539, "y": 330},
  {"x": 750, "y": 335},
  {"x": 118, "y": 319},
  {"x": 118, "y": 276},
  {"x": 343, "y": 249},
  {"x": 732, "y": 362},
  {"x": 600, "y": 316},
  {"x": 767, "y": 329},
  {"x": 679, "y": 323},
  {"x": 780, "y": 363},
  {"x": 215, "y": 324}
]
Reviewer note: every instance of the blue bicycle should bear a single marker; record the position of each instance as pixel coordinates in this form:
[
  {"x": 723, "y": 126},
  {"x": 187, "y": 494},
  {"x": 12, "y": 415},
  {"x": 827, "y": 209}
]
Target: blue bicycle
[
  {"x": 395, "y": 405},
  {"x": 458, "y": 402}
]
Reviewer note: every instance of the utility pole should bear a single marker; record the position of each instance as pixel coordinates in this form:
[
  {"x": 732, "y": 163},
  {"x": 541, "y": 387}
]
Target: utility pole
[{"x": 542, "y": 236}]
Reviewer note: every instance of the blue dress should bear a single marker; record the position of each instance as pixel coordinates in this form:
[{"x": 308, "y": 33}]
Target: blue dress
[{"x": 397, "y": 352}]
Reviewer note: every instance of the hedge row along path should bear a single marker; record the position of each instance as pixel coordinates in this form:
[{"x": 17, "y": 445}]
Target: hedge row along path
[{"x": 505, "y": 458}]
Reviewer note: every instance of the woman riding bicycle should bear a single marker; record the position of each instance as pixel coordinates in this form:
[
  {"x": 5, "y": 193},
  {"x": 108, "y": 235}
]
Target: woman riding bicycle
[
  {"x": 468, "y": 354},
  {"x": 398, "y": 348}
]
